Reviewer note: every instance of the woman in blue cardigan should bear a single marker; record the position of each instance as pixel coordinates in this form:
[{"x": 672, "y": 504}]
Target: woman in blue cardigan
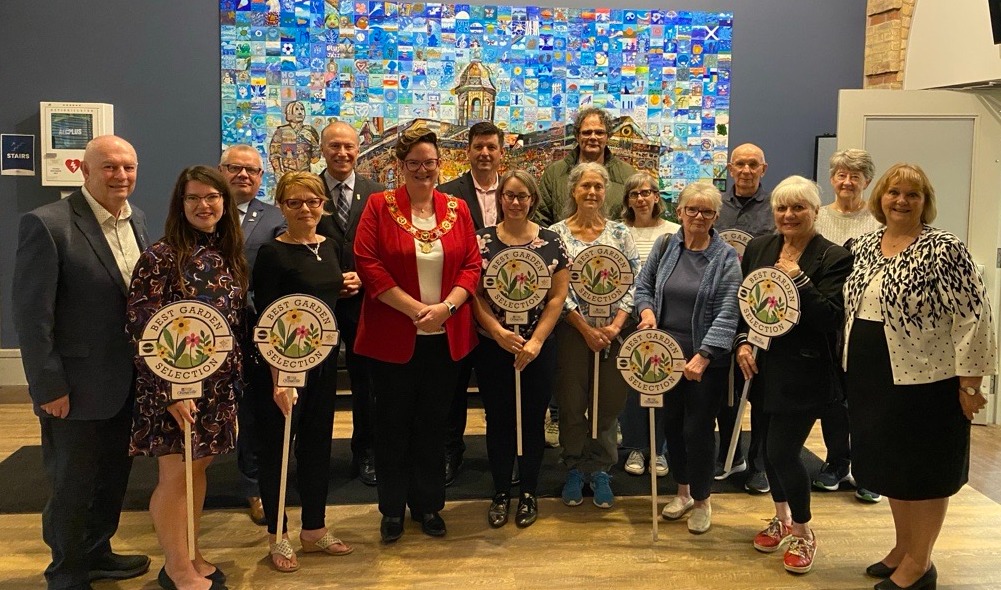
[{"x": 688, "y": 287}]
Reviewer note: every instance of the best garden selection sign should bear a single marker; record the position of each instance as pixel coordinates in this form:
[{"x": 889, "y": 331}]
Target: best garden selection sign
[
  {"x": 651, "y": 362},
  {"x": 517, "y": 280},
  {"x": 600, "y": 275},
  {"x": 295, "y": 334},
  {"x": 769, "y": 303},
  {"x": 184, "y": 343}
]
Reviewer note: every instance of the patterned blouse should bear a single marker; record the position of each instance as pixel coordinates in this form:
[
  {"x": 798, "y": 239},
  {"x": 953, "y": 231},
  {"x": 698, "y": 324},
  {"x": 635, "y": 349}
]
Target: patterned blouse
[
  {"x": 155, "y": 284},
  {"x": 937, "y": 319},
  {"x": 547, "y": 244},
  {"x": 616, "y": 234}
]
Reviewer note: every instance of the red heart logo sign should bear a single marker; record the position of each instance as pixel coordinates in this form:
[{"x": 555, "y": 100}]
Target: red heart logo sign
[{"x": 73, "y": 165}]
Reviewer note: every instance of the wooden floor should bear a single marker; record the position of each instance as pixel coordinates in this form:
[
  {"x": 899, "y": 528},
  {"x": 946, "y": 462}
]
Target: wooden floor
[{"x": 567, "y": 548}]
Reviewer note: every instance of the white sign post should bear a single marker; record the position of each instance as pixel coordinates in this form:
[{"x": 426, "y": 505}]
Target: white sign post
[
  {"x": 769, "y": 303},
  {"x": 294, "y": 334},
  {"x": 652, "y": 363},
  {"x": 600, "y": 275},
  {"x": 185, "y": 343},
  {"x": 517, "y": 281}
]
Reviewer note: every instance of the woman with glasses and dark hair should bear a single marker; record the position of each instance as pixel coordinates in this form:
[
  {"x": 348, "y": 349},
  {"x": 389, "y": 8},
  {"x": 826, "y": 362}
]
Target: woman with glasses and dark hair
[
  {"x": 588, "y": 460},
  {"x": 416, "y": 254},
  {"x": 528, "y": 348},
  {"x": 688, "y": 287},
  {"x": 298, "y": 261},
  {"x": 642, "y": 216},
  {"x": 199, "y": 258}
]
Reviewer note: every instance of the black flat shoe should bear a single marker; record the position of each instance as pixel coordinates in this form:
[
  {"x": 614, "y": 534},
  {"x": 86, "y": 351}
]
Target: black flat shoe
[
  {"x": 391, "y": 528},
  {"x": 880, "y": 570},
  {"x": 528, "y": 510},
  {"x": 432, "y": 524},
  {"x": 217, "y": 576},
  {"x": 926, "y": 582},
  {"x": 499, "y": 507}
]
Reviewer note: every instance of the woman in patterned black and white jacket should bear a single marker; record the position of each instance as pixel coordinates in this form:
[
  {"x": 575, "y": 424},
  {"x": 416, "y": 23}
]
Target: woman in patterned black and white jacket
[{"x": 919, "y": 341}]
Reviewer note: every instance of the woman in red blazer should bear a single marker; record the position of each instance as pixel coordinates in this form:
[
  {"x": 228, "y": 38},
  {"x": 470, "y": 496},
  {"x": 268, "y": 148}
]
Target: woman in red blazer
[{"x": 416, "y": 254}]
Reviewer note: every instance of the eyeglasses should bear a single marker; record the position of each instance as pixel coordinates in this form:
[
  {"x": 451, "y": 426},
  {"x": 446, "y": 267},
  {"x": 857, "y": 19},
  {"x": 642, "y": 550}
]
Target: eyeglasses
[
  {"x": 237, "y": 168},
  {"x": 314, "y": 203},
  {"x": 510, "y": 197},
  {"x": 855, "y": 177},
  {"x": 415, "y": 165},
  {"x": 642, "y": 193},
  {"x": 752, "y": 165},
  {"x": 695, "y": 211},
  {"x": 210, "y": 199},
  {"x": 593, "y": 132}
]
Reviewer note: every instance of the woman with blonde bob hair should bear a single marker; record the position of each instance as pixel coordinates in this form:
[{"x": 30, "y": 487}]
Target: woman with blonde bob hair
[
  {"x": 298, "y": 261},
  {"x": 914, "y": 294}
]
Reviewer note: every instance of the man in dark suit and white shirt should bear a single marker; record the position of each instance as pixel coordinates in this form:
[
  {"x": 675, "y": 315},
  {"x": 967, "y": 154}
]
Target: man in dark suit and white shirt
[
  {"x": 74, "y": 263},
  {"x": 348, "y": 192},
  {"x": 242, "y": 168},
  {"x": 478, "y": 187}
]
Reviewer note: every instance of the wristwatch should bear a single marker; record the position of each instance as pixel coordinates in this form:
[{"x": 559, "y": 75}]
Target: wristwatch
[
  {"x": 706, "y": 355},
  {"x": 969, "y": 390},
  {"x": 450, "y": 306}
]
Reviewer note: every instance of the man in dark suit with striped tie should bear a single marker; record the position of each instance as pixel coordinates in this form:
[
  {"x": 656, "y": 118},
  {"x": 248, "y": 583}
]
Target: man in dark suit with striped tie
[
  {"x": 348, "y": 194},
  {"x": 241, "y": 167}
]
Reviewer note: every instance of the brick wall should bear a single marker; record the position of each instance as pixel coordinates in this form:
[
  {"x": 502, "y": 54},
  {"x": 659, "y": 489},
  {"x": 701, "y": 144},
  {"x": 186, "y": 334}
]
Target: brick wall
[{"x": 888, "y": 24}]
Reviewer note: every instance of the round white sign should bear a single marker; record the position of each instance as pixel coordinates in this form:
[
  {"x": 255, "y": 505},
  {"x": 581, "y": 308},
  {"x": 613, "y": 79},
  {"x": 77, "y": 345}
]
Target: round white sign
[
  {"x": 295, "y": 334},
  {"x": 651, "y": 361},
  {"x": 769, "y": 303},
  {"x": 600, "y": 275},
  {"x": 736, "y": 238},
  {"x": 517, "y": 280}
]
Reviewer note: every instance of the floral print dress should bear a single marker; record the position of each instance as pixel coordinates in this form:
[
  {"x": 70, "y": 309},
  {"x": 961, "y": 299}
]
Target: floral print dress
[{"x": 155, "y": 284}]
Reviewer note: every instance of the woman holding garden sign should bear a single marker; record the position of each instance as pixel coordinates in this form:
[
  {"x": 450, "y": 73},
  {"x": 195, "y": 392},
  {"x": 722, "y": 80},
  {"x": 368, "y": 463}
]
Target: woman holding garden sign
[
  {"x": 581, "y": 334},
  {"x": 199, "y": 258},
  {"x": 298, "y": 261},
  {"x": 527, "y": 347},
  {"x": 688, "y": 287},
  {"x": 797, "y": 378}
]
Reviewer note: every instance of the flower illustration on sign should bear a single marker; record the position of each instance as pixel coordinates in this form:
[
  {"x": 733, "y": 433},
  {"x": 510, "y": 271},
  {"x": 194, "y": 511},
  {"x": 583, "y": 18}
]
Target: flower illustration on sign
[
  {"x": 517, "y": 280},
  {"x": 768, "y": 302},
  {"x": 182, "y": 347},
  {"x": 293, "y": 336},
  {"x": 599, "y": 278},
  {"x": 650, "y": 363}
]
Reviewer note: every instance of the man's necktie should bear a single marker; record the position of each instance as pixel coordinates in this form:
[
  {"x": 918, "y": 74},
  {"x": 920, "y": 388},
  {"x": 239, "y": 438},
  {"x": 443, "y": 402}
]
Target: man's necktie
[{"x": 343, "y": 205}]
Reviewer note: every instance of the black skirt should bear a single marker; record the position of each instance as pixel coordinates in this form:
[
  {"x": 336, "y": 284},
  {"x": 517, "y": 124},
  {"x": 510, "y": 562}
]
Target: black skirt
[{"x": 909, "y": 442}]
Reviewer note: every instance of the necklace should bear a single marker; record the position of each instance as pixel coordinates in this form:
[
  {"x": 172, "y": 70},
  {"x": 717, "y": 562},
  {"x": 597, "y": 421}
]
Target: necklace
[
  {"x": 853, "y": 208},
  {"x": 314, "y": 249}
]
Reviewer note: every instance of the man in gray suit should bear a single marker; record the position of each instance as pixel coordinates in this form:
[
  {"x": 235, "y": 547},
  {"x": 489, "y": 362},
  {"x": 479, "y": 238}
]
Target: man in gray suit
[
  {"x": 74, "y": 262},
  {"x": 478, "y": 188},
  {"x": 241, "y": 167},
  {"x": 348, "y": 194}
]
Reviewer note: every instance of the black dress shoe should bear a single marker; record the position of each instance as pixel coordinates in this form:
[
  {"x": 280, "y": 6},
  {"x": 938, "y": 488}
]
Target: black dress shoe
[
  {"x": 365, "y": 464},
  {"x": 217, "y": 577},
  {"x": 391, "y": 528},
  {"x": 432, "y": 524},
  {"x": 499, "y": 507},
  {"x": 112, "y": 566},
  {"x": 453, "y": 462},
  {"x": 926, "y": 582},
  {"x": 880, "y": 570},
  {"x": 528, "y": 510}
]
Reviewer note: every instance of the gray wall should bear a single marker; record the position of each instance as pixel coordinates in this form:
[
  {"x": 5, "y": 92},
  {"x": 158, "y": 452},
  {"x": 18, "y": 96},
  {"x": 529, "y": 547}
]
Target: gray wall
[{"x": 158, "y": 63}]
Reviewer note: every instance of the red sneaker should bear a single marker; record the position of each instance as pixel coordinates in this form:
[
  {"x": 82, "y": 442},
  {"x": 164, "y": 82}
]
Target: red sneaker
[
  {"x": 770, "y": 539},
  {"x": 799, "y": 556}
]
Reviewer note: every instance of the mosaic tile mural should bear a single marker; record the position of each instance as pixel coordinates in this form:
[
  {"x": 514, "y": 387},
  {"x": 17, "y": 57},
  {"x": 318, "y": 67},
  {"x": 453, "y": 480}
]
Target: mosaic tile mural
[{"x": 291, "y": 66}]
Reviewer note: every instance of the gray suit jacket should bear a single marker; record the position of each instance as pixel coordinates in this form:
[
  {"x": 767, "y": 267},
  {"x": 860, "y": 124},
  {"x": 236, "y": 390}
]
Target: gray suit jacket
[
  {"x": 69, "y": 309},
  {"x": 328, "y": 224},
  {"x": 464, "y": 188}
]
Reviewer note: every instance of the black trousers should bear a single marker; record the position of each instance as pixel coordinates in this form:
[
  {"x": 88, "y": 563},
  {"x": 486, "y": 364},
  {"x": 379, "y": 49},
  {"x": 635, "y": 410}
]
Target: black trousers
[
  {"x": 362, "y": 399},
  {"x": 312, "y": 430},
  {"x": 457, "y": 411},
  {"x": 689, "y": 412},
  {"x": 784, "y": 436},
  {"x": 495, "y": 370},
  {"x": 726, "y": 419},
  {"x": 88, "y": 465},
  {"x": 412, "y": 404}
]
